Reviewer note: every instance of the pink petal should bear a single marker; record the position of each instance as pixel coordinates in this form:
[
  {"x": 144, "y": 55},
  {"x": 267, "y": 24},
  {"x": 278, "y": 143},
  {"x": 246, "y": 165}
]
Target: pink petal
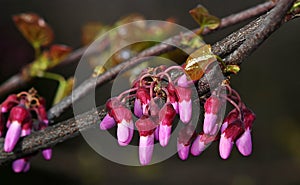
[
  {"x": 225, "y": 146},
  {"x": 210, "y": 123},
  {"x": 12, "y": 136},
  {"x": 164, "y": 134},
  {"x": 244, "y": 143},
  {"x": 107, "y": 122},
  {"x": 47, "y": 154},
  {"x": 146, "y": 149},
  {"x": 124, "y": 132},
  {"x": 185, "y": 111},
  {"x": 198, "y": 146},
  {"x": 18, "y": 165},
  {"x": 138, "y": 110},
  {"x": 183, "y": 151}
]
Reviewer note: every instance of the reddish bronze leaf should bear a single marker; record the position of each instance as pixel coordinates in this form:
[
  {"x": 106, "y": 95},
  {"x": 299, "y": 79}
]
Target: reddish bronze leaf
[
  {"x": 59, "y": 52},
  {"x": 34, "y": 29}
]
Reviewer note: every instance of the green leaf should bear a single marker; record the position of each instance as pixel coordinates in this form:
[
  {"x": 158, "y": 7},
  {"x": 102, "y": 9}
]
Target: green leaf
[{"x": 204, "y": 18}]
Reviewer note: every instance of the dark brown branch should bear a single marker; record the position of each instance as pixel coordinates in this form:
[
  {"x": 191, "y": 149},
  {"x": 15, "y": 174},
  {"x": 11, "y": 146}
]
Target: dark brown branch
[
  {"x": 19, "y": 80},
  {"x": 272, "y": 21},
  {"x": 70, "y": 128}
]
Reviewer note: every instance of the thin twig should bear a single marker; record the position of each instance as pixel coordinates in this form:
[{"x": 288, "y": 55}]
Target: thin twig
[{"x": 70, "y": 128}]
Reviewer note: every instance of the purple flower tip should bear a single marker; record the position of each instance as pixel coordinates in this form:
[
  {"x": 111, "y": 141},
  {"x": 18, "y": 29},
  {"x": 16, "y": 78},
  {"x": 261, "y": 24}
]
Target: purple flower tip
[
  {"x": 138, "y": 109},
  {"x": 225, "y": 146},
  {"x": 125, "y": 132},
  {"x": 185, "y": 111},
  {"x": 18, "y": 165},
  {"x": 107, "y": 122},
  {"x": 164, "y": 134},
  {"x": 198, "y": 146},
  {"x": 146, "y": 146},
  {"x": 244, "y": 143},
  {"x": 12, "y": 136},
  {"x": 210, "y": 123},
  {"x": 183, "y": 151},
  {"x": 47, "y": 154}
]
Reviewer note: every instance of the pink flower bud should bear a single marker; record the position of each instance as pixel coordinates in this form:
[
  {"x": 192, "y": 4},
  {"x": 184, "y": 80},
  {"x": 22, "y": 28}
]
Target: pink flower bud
[
  {"x": 212, "y": 107},
  {"x": 244, "y": 143},
  {"x": 18, "y": 116},
  {"x": 201, "y": 143},
  {"x": 183, "y": 151},
  {"x": 233, "y": 131},
  {"x": 9, "y": 103},
  {"x": 125, "y": 127},
  {"x": 20, "y": 165},
  {"x": 12, "y": 136},
  {"x": 107, "y": 123},
  {"x": 166, "y": 117},
  {"x": 146, "y": 128},
  {"x": 184, "y": 104},
  {"x": 47, "y": 154},
  {"x": 186, "y": 135},
  {"x": 146, "y": 146}
]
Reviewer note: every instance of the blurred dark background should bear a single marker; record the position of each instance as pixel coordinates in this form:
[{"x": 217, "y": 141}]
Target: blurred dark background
[{"x": 268, "y": 83}]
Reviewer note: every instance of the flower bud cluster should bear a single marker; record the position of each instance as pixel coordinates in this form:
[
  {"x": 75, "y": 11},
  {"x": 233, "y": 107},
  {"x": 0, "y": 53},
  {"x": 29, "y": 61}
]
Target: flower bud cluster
[
  {"x": 20, "y": 114},
  {"x": 157, "y": 97},
  {"x": 235, "y": 128}
]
